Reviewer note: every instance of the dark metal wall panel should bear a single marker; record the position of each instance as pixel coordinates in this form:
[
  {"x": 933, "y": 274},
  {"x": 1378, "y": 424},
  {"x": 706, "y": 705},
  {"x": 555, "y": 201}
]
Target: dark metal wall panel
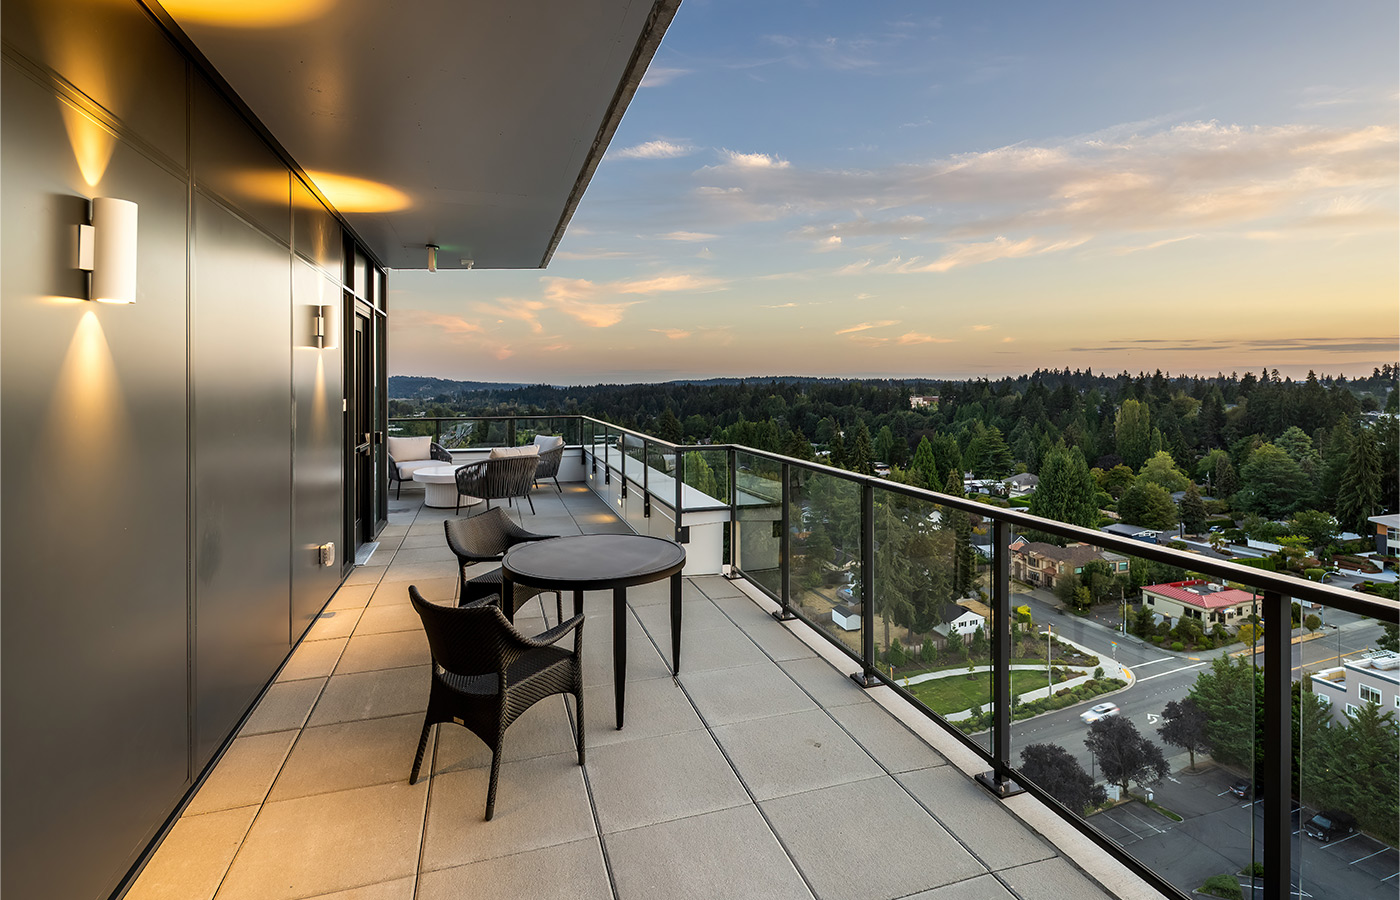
[
  {"x": 316, "y": 234},
  {"x": 318, "y": 389},
  {"x": 241, "y": 356},
  {"x": 233, "y": 162},
  {"x": 110, "y": 52},
  {"x": 93, "y": 512}
]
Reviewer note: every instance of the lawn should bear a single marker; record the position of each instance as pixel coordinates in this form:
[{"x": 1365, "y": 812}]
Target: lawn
[{"x": 954, "y": 694}]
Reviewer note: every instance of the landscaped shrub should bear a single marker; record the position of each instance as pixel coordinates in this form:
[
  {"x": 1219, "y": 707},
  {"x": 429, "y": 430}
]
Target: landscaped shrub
[
  {"x": 1253, "y": 870},
  {"x": 1178, "y": 646},
  {"x": 1314, "y": 574},
  {"x": 896, "y": 655},
  {"x": 1156, "y": 639},
  {"x": 1223, "y": 886},
  {"x": 927, "y": 653}
]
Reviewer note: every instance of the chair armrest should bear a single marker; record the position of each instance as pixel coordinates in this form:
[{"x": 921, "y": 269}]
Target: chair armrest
[
  {"x": 436, "y": 451},
  {"x": 546, "y": 638}
]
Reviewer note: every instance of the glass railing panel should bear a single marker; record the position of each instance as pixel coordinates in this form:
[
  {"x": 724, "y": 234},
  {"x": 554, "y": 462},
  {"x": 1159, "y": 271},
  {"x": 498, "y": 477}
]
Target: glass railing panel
[
  {"x": 661, "y": 471},
  {"x": 932, "y": 618},
  {"x": 707, "y": 472},
  {"x": 412, "y": 427},
  {"x": 824, "y": 581},
  {"x": 1346, "y": 748},
  {"x": 759, "y": 516},
  {"x": 1143, "y": 706}
]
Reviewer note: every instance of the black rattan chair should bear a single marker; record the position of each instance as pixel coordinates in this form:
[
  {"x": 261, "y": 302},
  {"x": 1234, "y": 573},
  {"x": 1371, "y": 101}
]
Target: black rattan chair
[
  {"x": 498, "y": 479},
  {"x": 486, "y": 538},
  {"x": 486, "y": 674},
  {"x": 549, "y": 466}
]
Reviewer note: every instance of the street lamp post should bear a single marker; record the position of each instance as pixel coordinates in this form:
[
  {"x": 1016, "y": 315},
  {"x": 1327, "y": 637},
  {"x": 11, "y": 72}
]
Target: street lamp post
[
  {"x": 1049, "y": 672},
  {"x": 1339, "y": 640}
]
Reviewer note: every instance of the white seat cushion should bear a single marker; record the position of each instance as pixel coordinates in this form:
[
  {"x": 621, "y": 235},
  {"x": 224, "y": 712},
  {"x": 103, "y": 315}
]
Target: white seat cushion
[
  {"x": 507, "y": 452},
  {"x": 406, "y": 469},
  {"x": 547, "y": 442},
  {"x": 407, "y": 449}
]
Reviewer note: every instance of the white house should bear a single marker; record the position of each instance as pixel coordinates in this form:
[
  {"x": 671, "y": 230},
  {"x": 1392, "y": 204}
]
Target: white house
[
  {"x": 958, "y": 619},
  {"x": 1372, "y": 677}
]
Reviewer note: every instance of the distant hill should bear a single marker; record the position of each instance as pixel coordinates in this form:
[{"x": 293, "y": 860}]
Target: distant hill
[{"x": 419, "y": 387}]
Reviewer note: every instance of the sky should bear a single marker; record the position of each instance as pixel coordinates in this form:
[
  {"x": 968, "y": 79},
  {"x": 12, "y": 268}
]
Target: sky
[{"x": 948, "y": 190}]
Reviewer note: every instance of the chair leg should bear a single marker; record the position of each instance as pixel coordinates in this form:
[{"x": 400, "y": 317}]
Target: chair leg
[
  {"x": 578, "y": 708},
  {"x": 422, "y": 746},
  {"x": 557, "y": 488},
  {"x": 496, "y": 753},
  {"x": 532, "y": 503},
  {"x": 558, "y": 606}
]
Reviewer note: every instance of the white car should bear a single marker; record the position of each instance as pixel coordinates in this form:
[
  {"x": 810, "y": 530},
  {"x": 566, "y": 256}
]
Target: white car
[{"x": 1098, "y": 711}]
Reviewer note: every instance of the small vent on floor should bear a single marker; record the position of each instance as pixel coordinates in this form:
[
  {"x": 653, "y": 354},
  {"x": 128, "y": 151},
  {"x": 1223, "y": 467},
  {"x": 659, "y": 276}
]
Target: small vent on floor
[{"x": 363, "y": 554}]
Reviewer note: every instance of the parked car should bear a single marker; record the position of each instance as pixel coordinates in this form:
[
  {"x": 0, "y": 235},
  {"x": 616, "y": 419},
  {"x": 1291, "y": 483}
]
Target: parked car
[
  {"x": 1245, "y": 788},
  {"x": 1098, "y": 711},
  {"x": 1327, "y": 825}
]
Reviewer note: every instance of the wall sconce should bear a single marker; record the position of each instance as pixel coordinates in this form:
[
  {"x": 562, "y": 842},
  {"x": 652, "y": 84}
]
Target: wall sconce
[
  {"x": 318, "y": 322},
  {"x": 107, "y": 251},
  {"x": 432, "y": 257}
]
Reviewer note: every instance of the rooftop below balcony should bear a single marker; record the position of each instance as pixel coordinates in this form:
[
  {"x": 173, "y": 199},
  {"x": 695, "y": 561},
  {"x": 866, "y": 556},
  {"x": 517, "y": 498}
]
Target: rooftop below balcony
[{"x": 761, "y": 771}]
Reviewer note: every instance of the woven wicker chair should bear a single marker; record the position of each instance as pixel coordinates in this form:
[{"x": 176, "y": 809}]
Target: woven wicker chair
[
  {"x": 486, "y": 674},
  {"x": 549, "y": 460},
  {"x": 498, "y": 479},
  {"x": 486, "y": 538},
  {"x": 437, "y": 453}
]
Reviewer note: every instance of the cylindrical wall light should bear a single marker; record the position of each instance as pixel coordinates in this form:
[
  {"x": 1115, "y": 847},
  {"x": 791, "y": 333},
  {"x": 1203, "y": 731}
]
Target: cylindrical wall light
[{"x": 107, "y": 249}]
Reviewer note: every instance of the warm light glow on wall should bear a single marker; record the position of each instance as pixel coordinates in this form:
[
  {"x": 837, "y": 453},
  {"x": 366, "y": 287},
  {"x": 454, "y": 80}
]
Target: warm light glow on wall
[
  {"x": 92, "y": 143},
  {"x": 246, "y": 13},
  {"x": 87, "y": 400},
  {"x": 358, "y": 195}
]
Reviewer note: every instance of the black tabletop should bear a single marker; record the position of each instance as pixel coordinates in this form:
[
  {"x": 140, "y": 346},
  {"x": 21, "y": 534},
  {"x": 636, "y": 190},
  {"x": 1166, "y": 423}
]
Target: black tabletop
[{"x": 594, "y": 561}]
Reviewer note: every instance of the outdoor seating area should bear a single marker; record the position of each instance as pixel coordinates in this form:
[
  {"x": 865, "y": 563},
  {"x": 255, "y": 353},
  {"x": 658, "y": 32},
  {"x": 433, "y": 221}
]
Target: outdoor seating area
[{"x": 761, "y": 770}]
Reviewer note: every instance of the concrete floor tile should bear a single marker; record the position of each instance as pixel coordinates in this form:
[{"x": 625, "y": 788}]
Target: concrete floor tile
[
  {"x": 389, "y": 650},
  {"x": 776, "y": 641},
  {"x": 349, "y": 755},
  {"x": 983, "y": 887},
  {"x": 370, "y": 695},
  {"x": 996, "y": 836},
  {"x": 424, "y": 541},
  {"x": 884, "y": 737},
  {"x": 540, "y": 802},
  {"x": 333, "y": 624},
  {"x": 193, "y": 858},
  {"x": 398, "y": 889},
  {"x": 724, "y": 696},
  {"x": 365, "y": 574},
  {"x": 788, "y": 754},
  {"x": 1051, "y": 879},
  {"x": 889, "y": 846},
  {"x": 395, "y": 593},
  {"x": 313, "y": 659},
  {"x": 573, "y": 871},
  {"x": 651, "y": 780},
  {"x": 827, "y": 684},
  {"x": 329, "y": 842},
  {"x": 244, "y": 774},
  {"x": 655, "y": 707},
  {"x": 351, "y": 596},
  {"x": 384, "y": 619},
  {"x": 696, "y": 616},
  {"x": 730, "y": 853},
  {"x": 714, "y": 648},
  {"x": 417, "y": 571},
  {"x": 284, "y": 707}
]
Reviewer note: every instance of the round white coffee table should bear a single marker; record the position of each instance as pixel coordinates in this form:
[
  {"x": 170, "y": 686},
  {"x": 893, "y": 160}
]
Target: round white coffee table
[{"x": 440, "y": 487}]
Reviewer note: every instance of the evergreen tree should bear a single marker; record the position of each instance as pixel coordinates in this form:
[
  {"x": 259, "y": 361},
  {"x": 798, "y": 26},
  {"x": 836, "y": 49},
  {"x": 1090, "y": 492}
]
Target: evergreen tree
[
  {"x": 1224, "y": 480},
  {"x": 1132, "y": 428},
  {"x": 1270, "y": 482},
  {"x": 922, "y": 467},
  {"x": 1231, "y": 696},
  {"x": 1147, "y": 504},
  {"x": 946, "y": 455},
  {"x": 860, "y": 455},
  {"x": 1193, "y": 511},
  {"x": 1066, "y": 490},
  {"x": 987, "y": 454},
  {"x": 1361, "y": 483},
  {"x": 838, "y": 451},
  {"x": 884, "y": 446},
  {"x": 668, "y": 427}
]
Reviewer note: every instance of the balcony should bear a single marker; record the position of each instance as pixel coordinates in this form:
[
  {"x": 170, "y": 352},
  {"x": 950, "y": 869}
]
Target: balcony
[
  {"x": 762, "y": 771},
  {"x": 765, "y": 768}
]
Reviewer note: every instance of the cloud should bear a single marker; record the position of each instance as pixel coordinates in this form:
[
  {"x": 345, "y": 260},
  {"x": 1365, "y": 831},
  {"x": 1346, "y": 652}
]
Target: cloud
[
  {"x": 916, "y": 338},
  {"x": 597, "y": 306},
  {"x": 666, "y": 284},
  {"x": 788, "y": 305},
  {"x": 655, "y": 150},
  {"x": 866, "y": 326},
  {"x": 1008, "y": 340},
  {"x": 964, "y": 255},
  {"x": 737, "y": 160},
  {"x": 592, "y": 254},
  {"x": 981, "y": 328},
  {"x": 452, "y": 330},
  {"x": 526, "y": 311},
  {"x": 656, "y": 76},
  {"x": 674, "y": 334},
  {"x": 1124, "y": 251},
  {"x": 1382, "y": 344},
  {"x": 687, "y": 236}
]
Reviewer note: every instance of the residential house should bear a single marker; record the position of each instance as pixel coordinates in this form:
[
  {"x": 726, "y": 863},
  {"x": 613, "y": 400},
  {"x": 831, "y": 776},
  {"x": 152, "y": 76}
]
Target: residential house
[
  {"x": 958, "y": 620},
  {"x": 1204, "y": 601},
  {"x": 1045, "y": 565},
  {"x": 1020, "y": 485},
  {"x": 1387, "y": 534},
  {"x": 1372, "y": 677}
]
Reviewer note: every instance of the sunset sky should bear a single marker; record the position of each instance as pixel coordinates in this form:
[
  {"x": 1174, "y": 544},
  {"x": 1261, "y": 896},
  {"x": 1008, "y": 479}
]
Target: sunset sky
[{"x": 952, "y": 190}]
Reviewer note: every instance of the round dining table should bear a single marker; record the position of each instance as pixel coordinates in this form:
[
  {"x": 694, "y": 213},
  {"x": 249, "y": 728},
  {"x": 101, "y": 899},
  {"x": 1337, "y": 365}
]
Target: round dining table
[{"x": 601, "y": 562}]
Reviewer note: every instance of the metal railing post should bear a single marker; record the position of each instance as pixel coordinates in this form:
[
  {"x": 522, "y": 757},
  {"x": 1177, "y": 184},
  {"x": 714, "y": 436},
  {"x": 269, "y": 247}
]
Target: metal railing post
[
  {"x": 681, "y": 536},
  {"x": 998, "y": 779},
  {"x": 510, "y": 432},
  {"x": 646, "y": 479},
  {"x": 866, "y": 677},
  {"x": 735, "y": 558},
  {"x": 784, "y": 612},
  {"x": 1278, "y": 746}
]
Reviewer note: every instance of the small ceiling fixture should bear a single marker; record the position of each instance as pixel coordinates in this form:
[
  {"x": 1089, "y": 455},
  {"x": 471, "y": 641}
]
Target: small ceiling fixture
[
  {"x": 432, "y": 257},
  {"x": 467, "y": 263},
  {"x": 107, "y": 251}
]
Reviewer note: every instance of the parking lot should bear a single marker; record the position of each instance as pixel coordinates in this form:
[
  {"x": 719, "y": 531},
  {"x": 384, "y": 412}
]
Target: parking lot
[{"x": 1221, "y": 834}]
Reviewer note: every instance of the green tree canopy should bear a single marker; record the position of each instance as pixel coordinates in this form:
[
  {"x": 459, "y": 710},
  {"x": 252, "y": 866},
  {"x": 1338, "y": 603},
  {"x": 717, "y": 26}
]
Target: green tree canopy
[
  {"x": 1231, "y": 696},
  {"x": 1361, "y": 483},
  {"x": 1060, "y": 775},
  {"x": 1270, "y": 483},
  {"x": 1124, "y": 755},
  {"x": 1147, "y": 504},
  {"x": 1132, "y": 428},
  {"x": 1161, "y": 469},
  {"x": 1066, "y": 490},
  {"x": 1193, "y": 511}
]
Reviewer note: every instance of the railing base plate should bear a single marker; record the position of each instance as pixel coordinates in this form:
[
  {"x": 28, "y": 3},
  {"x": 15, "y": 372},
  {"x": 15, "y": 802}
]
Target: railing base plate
[
  {"x": 861, "y": 679},
  {"x": 784, "y": 615},
  {"x": 1003, "y": 789}
]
